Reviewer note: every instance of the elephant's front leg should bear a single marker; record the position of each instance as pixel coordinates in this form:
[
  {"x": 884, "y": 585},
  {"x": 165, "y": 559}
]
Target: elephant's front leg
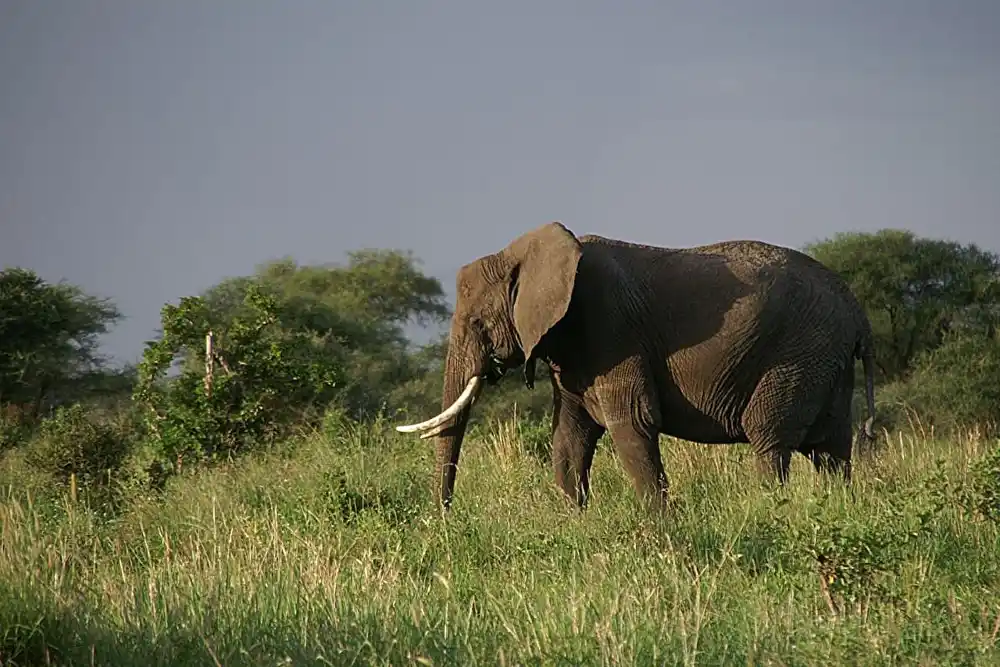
[
  {"x": 632, "y": 414},
  {"x": 574, "y": 441},
  {"x": 639, "y": 451}
]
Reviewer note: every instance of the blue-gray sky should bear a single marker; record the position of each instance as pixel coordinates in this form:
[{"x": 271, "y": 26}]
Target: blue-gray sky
[{"x": 150, "y": 148}]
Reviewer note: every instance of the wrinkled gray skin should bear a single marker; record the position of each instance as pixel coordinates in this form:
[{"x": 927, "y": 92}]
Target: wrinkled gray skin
[{"x": 736, "y": 342}]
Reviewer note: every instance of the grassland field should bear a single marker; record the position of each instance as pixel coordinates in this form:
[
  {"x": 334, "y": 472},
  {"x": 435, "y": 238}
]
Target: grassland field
[{"x": 328, "y": 550}]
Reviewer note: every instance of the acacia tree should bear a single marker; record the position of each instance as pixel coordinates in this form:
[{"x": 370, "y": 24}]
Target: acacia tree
[
  {"x": 915, "y": 290},
  {"x": 48, "y": 339}
]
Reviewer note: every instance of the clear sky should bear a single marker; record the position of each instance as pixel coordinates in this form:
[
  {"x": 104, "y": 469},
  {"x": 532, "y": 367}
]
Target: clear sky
[{"x": 150, "y": 148}]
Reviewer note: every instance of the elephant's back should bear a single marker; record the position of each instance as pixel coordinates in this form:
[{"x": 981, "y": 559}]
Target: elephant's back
[
  {"x": 745, "y": 277},
  {"x": 795, "y": 307},
  {"x": 806, "y": 272}
]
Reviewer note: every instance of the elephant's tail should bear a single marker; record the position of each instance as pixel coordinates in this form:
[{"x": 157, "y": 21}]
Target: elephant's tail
[{"x": 867, "y": 354}]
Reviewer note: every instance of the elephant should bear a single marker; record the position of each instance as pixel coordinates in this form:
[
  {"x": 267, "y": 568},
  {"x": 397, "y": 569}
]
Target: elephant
[{"x": 734, "y": 342}]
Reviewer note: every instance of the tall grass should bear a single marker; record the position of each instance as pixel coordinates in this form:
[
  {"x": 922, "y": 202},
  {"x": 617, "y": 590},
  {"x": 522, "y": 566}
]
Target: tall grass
[{"x": 331, "y": 552}]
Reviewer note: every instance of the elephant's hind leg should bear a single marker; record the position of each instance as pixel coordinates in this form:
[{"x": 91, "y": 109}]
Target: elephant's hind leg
[
  {"x": 832, "y": 453},
  {"x": 574, "y": 441},
  {"x": 778, "y": 416},
  {"x": 773, "y": 441},
  {"x": 773, "y": 461},
  {"x": 833, "y": 443},
  {"x": 828, "y": 458}
]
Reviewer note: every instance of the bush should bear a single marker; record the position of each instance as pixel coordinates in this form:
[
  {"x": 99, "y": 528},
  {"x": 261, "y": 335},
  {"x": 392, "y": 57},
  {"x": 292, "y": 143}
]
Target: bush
[
  {"x": 857, "y": 557},
  {"x": 955, "y": 386},
  {"x": 76, "y": 442},
  {"x": 268, "y": 379},
  {"x": 983, "y": 497},
  {"x": 355, "y": 316}
]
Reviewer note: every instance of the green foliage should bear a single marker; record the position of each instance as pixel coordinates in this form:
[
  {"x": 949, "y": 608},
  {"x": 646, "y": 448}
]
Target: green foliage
[
  {"x": 365, "y": 302},
  {"x": 358, "y": 312},
  {"x": 267, "y": 379},
  {"x": 952, "y": 387},
  {"x": 915, "y": 290},
  {"x": 76, "y": 442},
  {"x": 331, "y": 551},
  {"x": 983, "y": 497},
  {"x": 857, "y": 557},
  {"x": 510, "y": 397},
  {"x": 15, "y": 426},
  {"x": 48, "y": 338},
  {"x": 957, "y": 382},
  {"x": 102, "y": 387}
]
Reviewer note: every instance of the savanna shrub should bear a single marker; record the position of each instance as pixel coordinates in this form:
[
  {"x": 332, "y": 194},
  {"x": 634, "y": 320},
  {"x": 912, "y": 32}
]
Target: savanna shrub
[
  {"x": 983, "y": 496},
  {"x": 266, "y": 380},
  {"x": 75, "y": 441},
  {"x": 953, "y": 386},
  {"x": 335, "y": 422},
  {"x": 356, "y": 316},
  {"x": 536, "y": 436},
  {"x": 856, "y": 556}
]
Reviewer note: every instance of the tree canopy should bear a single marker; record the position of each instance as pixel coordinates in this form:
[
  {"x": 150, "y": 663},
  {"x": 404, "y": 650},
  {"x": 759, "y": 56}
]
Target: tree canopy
[
  {"x": 49, "y": 336},
  {"x": 915, "y": 290},
  {"x": 364, "y": 304},
  {"x": 289, "y": 342},
  {"x": 357, "y": 313},
  {"x": 267, "y": 378}
]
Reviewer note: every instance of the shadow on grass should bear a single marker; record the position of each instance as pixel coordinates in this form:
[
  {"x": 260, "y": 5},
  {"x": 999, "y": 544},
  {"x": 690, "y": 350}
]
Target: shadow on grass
[{"x": 400, "y": 504}]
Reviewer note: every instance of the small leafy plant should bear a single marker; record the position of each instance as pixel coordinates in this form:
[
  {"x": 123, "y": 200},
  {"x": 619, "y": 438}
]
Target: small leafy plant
[
  {"x": 855, "y": 556},
  {"x": 983, "y": 493}
]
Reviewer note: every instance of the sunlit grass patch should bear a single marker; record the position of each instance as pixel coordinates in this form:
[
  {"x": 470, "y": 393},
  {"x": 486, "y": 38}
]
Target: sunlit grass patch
[{"x": 334, "y": 553}]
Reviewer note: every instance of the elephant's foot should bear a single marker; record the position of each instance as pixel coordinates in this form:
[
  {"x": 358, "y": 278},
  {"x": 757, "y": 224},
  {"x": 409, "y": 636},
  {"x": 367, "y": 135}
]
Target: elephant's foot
[
  {"x": 828, "y": 464},
  {"x": 774, "y": 464}
]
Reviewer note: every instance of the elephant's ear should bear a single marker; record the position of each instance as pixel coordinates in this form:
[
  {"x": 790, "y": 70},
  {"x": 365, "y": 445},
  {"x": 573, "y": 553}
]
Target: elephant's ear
[{"x": 547, "y": 259}]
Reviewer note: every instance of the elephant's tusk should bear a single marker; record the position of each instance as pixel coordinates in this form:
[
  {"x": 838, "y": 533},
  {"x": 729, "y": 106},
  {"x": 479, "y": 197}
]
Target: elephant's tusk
[
  {"x": 467, "y": 396},
  {"x": 433, "y": 432}
]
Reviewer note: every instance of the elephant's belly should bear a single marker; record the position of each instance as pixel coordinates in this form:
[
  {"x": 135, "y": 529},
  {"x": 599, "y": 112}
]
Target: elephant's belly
[
  {"x": 691, "y": 417},
  {"x": 696, "y": 426},
  {"x": 701, "y": 405}
]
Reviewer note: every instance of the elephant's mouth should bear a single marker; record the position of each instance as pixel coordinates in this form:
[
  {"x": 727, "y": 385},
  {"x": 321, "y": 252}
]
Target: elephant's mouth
[{"x": 495, "y": 370}]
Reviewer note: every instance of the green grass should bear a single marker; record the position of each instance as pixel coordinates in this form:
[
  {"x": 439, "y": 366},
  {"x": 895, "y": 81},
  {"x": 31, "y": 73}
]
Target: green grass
[{"x": 331, "y": 552}]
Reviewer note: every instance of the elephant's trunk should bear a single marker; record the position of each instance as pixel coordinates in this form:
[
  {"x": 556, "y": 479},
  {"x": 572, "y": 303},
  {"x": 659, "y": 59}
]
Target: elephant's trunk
[
  {"x": 463, "y": 380},
  {"x": 461, "y": 367}
]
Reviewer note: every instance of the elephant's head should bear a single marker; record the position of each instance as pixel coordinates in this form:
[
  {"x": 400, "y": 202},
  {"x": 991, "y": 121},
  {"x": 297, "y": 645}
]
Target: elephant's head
[{"x": 506, "y": 302}]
